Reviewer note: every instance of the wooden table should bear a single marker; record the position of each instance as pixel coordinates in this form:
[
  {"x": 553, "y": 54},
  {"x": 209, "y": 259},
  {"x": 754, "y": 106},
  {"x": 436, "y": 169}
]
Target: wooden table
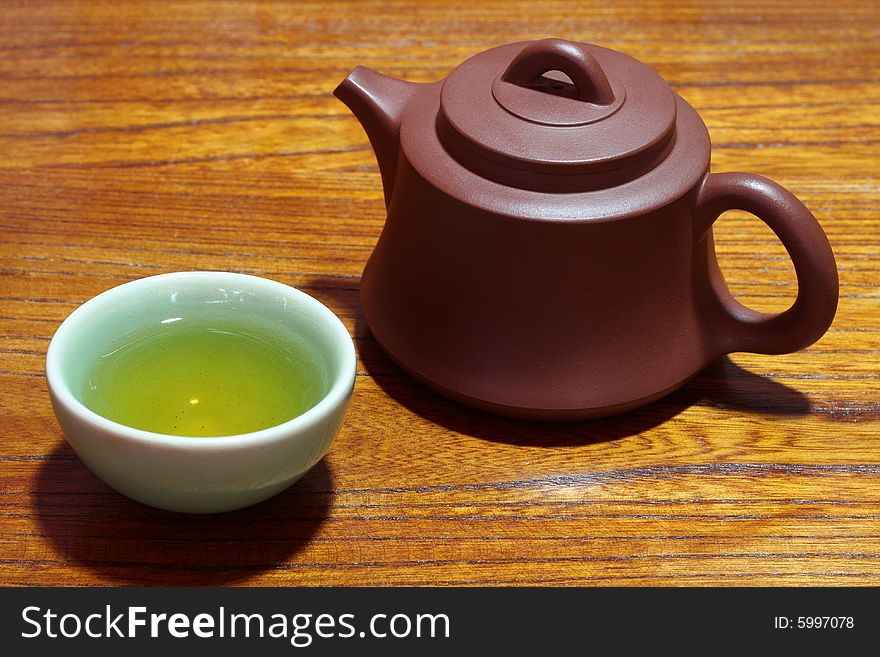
[{"x": 141, "y": 138}]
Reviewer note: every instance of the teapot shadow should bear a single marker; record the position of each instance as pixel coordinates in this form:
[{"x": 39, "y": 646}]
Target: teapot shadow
[
  {"x": 123, "y": 541},
  {"x": 722, "y": 384}
]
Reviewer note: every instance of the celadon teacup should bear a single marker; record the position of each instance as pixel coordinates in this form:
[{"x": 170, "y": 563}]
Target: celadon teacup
[{"x": 180, "y": 473}]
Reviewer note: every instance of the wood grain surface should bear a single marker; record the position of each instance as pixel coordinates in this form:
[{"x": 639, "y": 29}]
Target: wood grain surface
[{"x": 140, "y": 138}]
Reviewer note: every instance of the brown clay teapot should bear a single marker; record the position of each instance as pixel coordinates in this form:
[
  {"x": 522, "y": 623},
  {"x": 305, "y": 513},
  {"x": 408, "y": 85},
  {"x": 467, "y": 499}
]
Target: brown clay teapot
[{"x": 548, "y": 250}]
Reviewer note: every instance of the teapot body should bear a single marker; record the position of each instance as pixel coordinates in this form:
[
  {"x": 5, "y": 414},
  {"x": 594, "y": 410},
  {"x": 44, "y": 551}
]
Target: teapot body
[{"x": 585, "y": 308}]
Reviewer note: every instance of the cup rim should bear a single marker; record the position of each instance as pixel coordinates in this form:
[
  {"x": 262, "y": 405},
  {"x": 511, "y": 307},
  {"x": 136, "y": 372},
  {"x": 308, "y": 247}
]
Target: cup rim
[{"x": 338, "y": 394}]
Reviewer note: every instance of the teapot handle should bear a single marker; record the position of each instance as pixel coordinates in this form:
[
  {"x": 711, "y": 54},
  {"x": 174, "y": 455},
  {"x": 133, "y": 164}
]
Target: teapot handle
[{"x": 740, "y": 328}]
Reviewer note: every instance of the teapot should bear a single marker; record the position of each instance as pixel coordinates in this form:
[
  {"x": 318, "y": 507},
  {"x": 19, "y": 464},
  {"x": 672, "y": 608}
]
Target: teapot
[{"x": 548, "y": 249}]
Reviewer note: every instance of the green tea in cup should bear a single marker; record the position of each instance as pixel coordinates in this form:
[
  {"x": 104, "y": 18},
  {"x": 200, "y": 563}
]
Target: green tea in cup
[{"x": 202, "y": 376}]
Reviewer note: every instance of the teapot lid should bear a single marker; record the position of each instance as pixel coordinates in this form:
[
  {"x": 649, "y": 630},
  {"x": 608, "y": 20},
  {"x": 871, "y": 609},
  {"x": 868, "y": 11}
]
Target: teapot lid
[{"x": 524, "y": 113}]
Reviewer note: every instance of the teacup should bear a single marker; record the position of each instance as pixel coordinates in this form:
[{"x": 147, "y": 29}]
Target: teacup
[{"x": 181, "y": 472}]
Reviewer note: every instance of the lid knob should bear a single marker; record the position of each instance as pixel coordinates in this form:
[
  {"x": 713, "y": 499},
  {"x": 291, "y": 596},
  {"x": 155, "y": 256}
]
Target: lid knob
[{"x": 580, "y": 66}]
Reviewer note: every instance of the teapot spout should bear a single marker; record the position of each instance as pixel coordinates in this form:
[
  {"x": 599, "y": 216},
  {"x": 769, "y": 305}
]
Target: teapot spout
[{"x": 377, "y": 101}]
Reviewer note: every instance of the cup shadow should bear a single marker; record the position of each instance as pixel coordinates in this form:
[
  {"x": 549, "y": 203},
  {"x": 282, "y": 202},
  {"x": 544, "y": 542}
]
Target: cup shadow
[
  {"x": 122, "y": 541},
  {"x": 723, "y": 384}
]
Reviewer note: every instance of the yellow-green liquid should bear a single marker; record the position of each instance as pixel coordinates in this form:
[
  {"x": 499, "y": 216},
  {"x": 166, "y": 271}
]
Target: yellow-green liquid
[{"x": 205, "y": 381}]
